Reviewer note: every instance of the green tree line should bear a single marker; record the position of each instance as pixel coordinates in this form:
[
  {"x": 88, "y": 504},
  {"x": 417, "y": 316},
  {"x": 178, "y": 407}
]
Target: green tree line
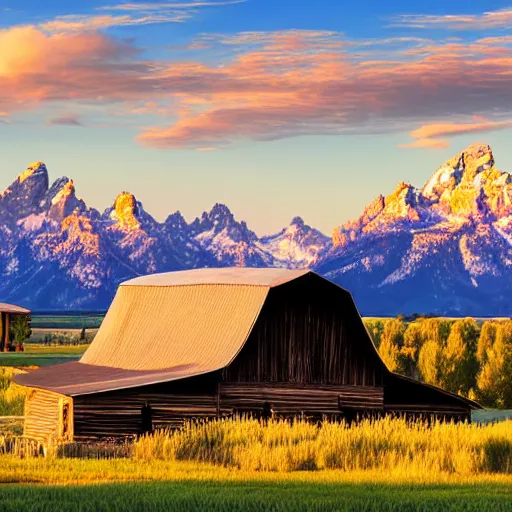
[{"x": 460, "y": 356}]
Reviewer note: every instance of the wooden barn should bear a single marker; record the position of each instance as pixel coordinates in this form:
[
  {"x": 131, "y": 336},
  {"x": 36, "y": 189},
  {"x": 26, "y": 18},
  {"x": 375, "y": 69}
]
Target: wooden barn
[
  {"x": 7, "y": 313},
  {"x": 209, "y": 343}
]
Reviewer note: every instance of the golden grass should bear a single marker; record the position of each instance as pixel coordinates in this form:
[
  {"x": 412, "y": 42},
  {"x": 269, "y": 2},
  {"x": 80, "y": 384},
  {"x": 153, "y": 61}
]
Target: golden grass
[
  {"x": 390, "y": 445},
  {"x": 86, "y": 471},
  {"x": 12, "y": 396}
]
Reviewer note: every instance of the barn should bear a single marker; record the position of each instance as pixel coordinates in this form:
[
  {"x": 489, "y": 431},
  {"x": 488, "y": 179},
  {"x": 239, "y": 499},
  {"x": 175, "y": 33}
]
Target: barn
[
  {"x": 8, "y": 313},
  {"x": 209, "y": 343}
]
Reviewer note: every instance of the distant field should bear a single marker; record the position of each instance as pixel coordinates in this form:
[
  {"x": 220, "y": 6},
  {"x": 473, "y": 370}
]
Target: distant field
[
  {"x": 488, "y": 415},
  {"x": 39, "y": 334},
  {"x": 39, "y": 355},
  {"x": 65, "y": 321}
]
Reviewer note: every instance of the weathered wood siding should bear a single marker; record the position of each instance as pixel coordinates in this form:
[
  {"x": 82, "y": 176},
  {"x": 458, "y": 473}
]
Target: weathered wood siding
[
  {"x": 405, "y": 396},
  {"x": 118, "y": 413},
  {"x": 43, "y": 415},
  {"x": 289, "y": 400},
  {"x": 309, "y": 332}
]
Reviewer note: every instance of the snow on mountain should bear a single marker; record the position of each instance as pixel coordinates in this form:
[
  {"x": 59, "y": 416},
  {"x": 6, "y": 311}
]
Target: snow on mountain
[
  {"x": 444, "y": 250},
  {"x": 231, "y": 242},
  {"x": 296, "y": 246}
]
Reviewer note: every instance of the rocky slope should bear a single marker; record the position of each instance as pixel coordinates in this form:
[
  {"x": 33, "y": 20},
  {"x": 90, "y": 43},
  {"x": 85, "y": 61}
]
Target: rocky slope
[
  {"x": 444, "y": 249},
  {"x": 57, "y": 253}
]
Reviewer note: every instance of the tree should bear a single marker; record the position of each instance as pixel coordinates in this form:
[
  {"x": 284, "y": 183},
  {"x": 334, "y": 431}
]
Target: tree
[
  {"x": 392, "y": 340},
  {"x": 20, "y": 329},
  {"x": 459, "y": 365},
  {"x": 486, "y": 341},
  {"x": 494, "y": 381},
  {"x": 435, "y": 329},
  {"x": 413, "y": 340},
  {"x": 375, "y": 328},
  {"x": 429, "y": 360}
]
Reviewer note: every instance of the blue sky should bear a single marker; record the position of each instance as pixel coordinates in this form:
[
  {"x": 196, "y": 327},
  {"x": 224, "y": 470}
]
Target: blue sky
[{"x": 276, "y": 108}]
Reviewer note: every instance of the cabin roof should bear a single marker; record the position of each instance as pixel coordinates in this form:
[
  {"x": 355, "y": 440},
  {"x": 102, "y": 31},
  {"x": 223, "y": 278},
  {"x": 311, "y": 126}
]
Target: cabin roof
[
  {"x": 11, "y": 308},
  {"x": 197, "y": 321},
  {"x": 77, "y": 378}
]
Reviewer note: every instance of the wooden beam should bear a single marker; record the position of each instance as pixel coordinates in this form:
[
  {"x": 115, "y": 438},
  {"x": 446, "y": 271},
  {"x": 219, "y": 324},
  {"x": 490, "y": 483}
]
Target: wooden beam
[{"x": 4, "y": 345}]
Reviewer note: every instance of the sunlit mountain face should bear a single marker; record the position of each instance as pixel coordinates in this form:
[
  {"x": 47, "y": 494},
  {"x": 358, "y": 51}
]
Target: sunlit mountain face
[{"x": 443, "y": 249}]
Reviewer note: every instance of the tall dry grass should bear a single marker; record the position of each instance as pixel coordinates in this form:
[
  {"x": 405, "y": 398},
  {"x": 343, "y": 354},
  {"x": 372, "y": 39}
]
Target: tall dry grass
[
  {"x": 386, "y": 445},
  {"x": 12, "y": 396}
]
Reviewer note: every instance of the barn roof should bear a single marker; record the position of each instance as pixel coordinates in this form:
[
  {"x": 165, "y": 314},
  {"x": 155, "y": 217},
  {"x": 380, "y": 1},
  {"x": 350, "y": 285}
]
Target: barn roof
[
  {"x": 11, "y": 308},
  {"x": 268, "y": 277},
  {"x": 165, "y": 327}
]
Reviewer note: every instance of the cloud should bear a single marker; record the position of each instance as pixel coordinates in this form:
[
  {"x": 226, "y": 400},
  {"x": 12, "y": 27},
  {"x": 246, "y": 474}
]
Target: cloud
[
  {"x": 426, "y": 143},
  {"x": 428, "y": 135},
  {"x": 487, "y": 20},
  {"x": 265, "y": 86},
  {"x": 274, "y": 91},
  {"x": 138, "y": 14},
  {"x": 446, "y": 129},
  {"x": 65, "y": 120},
  {"x": 166, "y": 5}
]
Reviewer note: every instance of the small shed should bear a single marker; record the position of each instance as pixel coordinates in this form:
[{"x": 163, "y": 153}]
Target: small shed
[
  {"x": 209, "y": 343},
  {"x": 7, "y": 313}
]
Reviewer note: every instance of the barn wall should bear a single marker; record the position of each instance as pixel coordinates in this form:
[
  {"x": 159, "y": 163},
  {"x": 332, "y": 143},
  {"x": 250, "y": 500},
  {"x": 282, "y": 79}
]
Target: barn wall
[
  {"x": 309, "y": 332},
  {"x": 405, "y": 396},
  {"x": 292, "y": 400},
  {"x": 118, "y": 413},
  {"x": 43, "y": 415}
]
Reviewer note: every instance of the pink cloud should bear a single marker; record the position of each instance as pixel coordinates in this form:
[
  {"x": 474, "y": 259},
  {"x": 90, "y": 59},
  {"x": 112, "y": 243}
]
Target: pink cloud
[
  {"x": 426, "y": 143},
  {"x": 446, "y": 129},
  {"x": 428, "y": 135},
  {"x": 281, "y": 85},
  {"x": 266, "y": 94}
]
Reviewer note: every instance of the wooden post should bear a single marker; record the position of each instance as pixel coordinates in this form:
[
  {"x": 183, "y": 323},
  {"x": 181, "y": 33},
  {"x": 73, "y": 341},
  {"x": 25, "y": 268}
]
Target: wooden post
[{"x": 6, "y": 339}]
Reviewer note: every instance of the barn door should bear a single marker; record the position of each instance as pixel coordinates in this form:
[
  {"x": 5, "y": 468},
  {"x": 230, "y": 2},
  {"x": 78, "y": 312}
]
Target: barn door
[{"x": 66, "y": 419}]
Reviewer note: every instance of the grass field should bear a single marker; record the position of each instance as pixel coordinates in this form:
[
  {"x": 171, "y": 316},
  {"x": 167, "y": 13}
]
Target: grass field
[
  {"x": 128, "y": 485},
  {"x": 71, "y": 321},
  {"x": 40, "y": 355},
  {"x": 257, "y": 496}
]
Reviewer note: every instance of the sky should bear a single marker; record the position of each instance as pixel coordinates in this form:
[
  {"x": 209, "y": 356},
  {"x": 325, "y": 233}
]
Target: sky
[{"x": 276, "y": 108}]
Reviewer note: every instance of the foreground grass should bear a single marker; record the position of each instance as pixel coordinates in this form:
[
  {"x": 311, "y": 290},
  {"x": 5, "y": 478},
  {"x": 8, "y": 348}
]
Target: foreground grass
[
  {"x": 258, "y": 496},
  {"x": 121, "y": 485}
]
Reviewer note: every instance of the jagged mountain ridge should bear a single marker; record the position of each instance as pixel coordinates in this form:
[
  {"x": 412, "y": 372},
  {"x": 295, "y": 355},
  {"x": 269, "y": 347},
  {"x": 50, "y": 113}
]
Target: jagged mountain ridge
[
  {"x": 445, "y": 249},
  {"x": 57, "y": 253}
]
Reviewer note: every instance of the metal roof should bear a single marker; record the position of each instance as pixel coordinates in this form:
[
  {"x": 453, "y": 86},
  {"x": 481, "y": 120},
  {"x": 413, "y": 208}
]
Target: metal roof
[
  {"x": 77, "y": 378},
  {"x": 165, "y": 327},
  {"x": 269, "y": 277}
]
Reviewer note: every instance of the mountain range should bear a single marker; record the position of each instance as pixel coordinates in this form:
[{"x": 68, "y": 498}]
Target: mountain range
[{"x": 443, "y": 249}]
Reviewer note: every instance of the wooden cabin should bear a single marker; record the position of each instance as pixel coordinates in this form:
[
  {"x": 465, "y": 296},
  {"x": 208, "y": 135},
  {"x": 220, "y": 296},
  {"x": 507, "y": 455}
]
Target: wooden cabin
[
  {"x": 7, "y": 314},
  {"x": 213, "y": 342}
]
